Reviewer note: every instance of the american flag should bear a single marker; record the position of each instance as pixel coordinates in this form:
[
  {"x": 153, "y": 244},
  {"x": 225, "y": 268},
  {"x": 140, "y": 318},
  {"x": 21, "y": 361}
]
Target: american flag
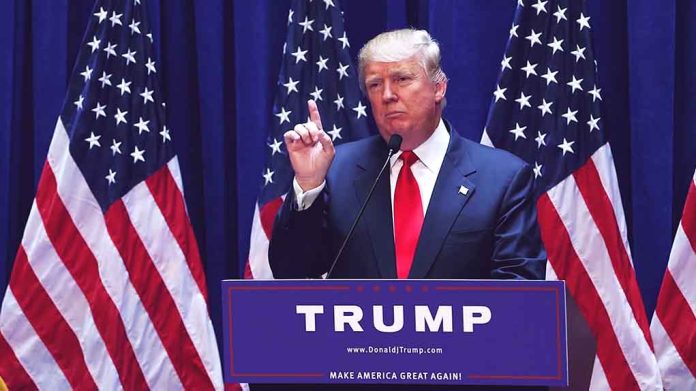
[
  {"x": 673, "y": 325},
  {"x": 107, "y": 289},
  {"x": 316, "y": 65},
  {"x": 546, "y": 109}
]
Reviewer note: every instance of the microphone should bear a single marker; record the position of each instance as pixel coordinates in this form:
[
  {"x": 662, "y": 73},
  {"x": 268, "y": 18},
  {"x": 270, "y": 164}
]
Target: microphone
[{"x": 394, "y": 145}]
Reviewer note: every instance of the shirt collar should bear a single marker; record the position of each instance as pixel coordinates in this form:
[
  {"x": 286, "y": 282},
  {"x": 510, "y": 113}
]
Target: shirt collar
[{"x": 432, "y": 151}]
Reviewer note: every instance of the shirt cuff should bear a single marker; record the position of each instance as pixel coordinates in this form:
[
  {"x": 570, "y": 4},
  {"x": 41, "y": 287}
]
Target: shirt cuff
[{"x": 305, "y": 199}]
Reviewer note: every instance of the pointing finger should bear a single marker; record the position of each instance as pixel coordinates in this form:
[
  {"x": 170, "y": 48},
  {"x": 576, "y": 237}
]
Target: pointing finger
[{"x": 314, "y": 114}]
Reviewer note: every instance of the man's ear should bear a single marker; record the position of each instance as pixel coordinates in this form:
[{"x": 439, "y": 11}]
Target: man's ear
[{"x": 440, "y": 91}]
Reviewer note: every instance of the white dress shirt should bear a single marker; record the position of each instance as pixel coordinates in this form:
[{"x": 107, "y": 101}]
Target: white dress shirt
[{"x": 430, "y": 154}]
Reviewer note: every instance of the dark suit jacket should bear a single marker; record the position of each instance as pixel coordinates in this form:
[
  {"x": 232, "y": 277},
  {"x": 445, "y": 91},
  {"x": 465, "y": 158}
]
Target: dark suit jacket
[{"x": 489, "y": 232}]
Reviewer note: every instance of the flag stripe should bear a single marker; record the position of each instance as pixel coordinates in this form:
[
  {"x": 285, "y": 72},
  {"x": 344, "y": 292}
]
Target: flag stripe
[
  {"x": 568, "y": 266},
  {"x": 258, "y": 265},
  {"x": 156, "y": 299},
  {"x": 49, "y": 324},
  {"x": 600, "y": 207},
  {"x": 82, "y": 265},
  {"x": 678, "y": 320},
  {"x": 69, "y": 301},
  {"x": 171, "y": 203},
  {"x": 268, "y": 214},
  {"x": 81, "y": 205},
  {"x": 675, "y": 374},
  {"x": 689, "y": 217},
  {"x": 11, "y": 370},
  {"x": 170, "y": 262},
  {"x": 30, "y": 350}
]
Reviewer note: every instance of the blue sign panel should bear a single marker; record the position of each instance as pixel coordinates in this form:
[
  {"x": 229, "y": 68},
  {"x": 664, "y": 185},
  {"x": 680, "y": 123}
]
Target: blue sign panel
[{"x": 395, "y": 332}]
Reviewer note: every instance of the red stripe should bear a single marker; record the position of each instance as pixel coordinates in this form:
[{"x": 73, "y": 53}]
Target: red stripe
[
  {"x": 11, "y": 370},
  {"x": 678, "y": 320},
  {"x": 689, "y": 217},
  {"x": 568, "y": 267},
  {"x": 82, "y": 265},
  {"x": 173, "y": 207},
  {"x": 248, "y": 275},
  {"x": 600, "y": 207},
  {"x": 268, "y": 213},
  {"x": 49, "y": 324},
  {"x": 156, "y": 299}
]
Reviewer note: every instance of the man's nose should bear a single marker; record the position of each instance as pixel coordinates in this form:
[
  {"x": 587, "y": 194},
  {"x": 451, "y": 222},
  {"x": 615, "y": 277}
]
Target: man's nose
[{"x": 388, "y": 94}]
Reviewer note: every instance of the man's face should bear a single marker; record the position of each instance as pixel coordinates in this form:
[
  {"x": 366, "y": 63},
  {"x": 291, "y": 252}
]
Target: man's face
[{"x": 404, "y": 100}]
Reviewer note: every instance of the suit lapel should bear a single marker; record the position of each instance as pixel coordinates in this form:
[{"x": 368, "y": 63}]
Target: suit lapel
[
  {"x": 378, "y": 216},
  {"x": 445, "y": 204}
]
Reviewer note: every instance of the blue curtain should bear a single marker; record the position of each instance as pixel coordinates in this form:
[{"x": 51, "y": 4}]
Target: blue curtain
[{"x": 219, "y": 63}]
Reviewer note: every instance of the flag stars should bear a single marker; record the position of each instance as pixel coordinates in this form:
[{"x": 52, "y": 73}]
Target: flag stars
[
  {"x": 344, "y": 41},
  {"x": 102, "y": 14},
  {"x": 575, "y": 84},
  {"x": 268, "y": 176},
  {"x": 290, "y": 14},
  {"x": 335, "y": 133},
  {"x": 134, "y": 27},
  {"x": 322, "y": 64},
  {"x": 540, "y": 139},
  {"x": 499, "y": 93},
  {"x": 137, "y": 155},
  {"x": 142, "y": 126},
  {"x": 529, "y": 69},
  {"x": 129, "y": 56},
  {"x": 165, "y": 135},
  {"x": 115, "y": 19},
  {"x": 87, "y": 74},
  {"x": 339, "y": 102},
  {"x": 545, "y": 108},
  {"x": 555, "y": 45},
  {"x": 505, "y": 63},
  {"x": 550, "y": 76},
  {"x": 584, "y": 21},
  {"x": 316, "y": 95},
  {"x": 540, "y": 6},
  {"x": 284, "y": 116},
  {"x": 124, "y": 86},
  {"x": 79, "y": 101},
  {"x": 523, "y": 100},
  {"x": 115, "y": 147},
  {"x": 360, "y": 110},
  {"x": 104, "y": 79},
  {"x": 94, "y": 44},
  {"x": 342, "y": 70},
  {"x": 329, "y": 3},
  {"x": 147, "y": 96},
  {"x": 518, "y": 131},
  {"x": 537, "y": 170},
  {"x": 150, "y": 65},
  {"x": 110, "y": 49},
  {"x": 595, "y": 93},
  {"x": 326, "y": 32},
  {"x": 307, "y": 24},
  {"x": 120, "y": 116},
  {"x": 566, "y": 146},
  {"x": 560, "y": 14},
  {"x": 149, "y": 36},
  {"x": 99, "y": 110},
  {"x": 570, "y": 116},
  {"x": 93, "y": 140},
  {"x": 533, "y": 38},
  {"x": 111, "y": 178},
  {"x": 578, "y": 53},
  {"x": 593, "y": 123},
  {"x": 291, "y": 85},
  {"x": 299, "y": 55},
  {"x": 275, "y": 146},
  {"x": 513, "y": 31}
]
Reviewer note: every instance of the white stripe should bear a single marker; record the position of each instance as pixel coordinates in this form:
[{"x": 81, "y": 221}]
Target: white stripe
[
  {"x": 89, "y": 220},
  {"x": 682, "y": 265},
  {"x": 69, "y": 301},
  {"x": 28, "y": 347},
  {"x": 593, "y": 254},
  {"x": 604, "y": 162},
  {"x": 485, "y": 139},
  {"x": 258, "y": 249},
  {"x": 173, "y": 166},
  {"x": 599, "y": 381},
  {"x": 550, "y": 272},
  {"x": 170, "y": 261},
  {"x": 675, "y": 374}
]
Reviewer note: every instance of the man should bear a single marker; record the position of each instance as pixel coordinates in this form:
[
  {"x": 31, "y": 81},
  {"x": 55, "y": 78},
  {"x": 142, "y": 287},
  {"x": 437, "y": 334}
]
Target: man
[{"x": 449, "y": 208}]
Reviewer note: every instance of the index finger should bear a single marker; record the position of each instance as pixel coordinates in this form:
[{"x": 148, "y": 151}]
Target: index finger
[{"x": 314, "y": 114}]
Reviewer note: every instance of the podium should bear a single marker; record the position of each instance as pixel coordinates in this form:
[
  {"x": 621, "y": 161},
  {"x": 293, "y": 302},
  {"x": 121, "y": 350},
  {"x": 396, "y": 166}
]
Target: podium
[{"x": 436, "y": 332}]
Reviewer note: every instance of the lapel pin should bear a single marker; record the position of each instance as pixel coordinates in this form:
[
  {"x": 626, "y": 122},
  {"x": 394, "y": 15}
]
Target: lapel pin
[{"x": 463, "y": 190}]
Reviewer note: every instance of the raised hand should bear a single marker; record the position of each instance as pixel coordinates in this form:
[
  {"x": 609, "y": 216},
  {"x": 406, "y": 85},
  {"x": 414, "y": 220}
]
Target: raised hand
[{"x": 310, "y": 150}]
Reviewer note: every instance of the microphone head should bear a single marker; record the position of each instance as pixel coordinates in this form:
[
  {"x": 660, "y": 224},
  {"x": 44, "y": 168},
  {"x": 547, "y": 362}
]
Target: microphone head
[{"x": 394, "y": 143}]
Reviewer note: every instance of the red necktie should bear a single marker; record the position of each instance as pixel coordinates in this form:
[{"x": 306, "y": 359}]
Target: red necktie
[{"x": 408, "y": 215}]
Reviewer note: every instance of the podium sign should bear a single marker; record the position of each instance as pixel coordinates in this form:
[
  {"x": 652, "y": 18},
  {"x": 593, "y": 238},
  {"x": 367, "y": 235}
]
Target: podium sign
[{"x": 395, "y": 332}]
